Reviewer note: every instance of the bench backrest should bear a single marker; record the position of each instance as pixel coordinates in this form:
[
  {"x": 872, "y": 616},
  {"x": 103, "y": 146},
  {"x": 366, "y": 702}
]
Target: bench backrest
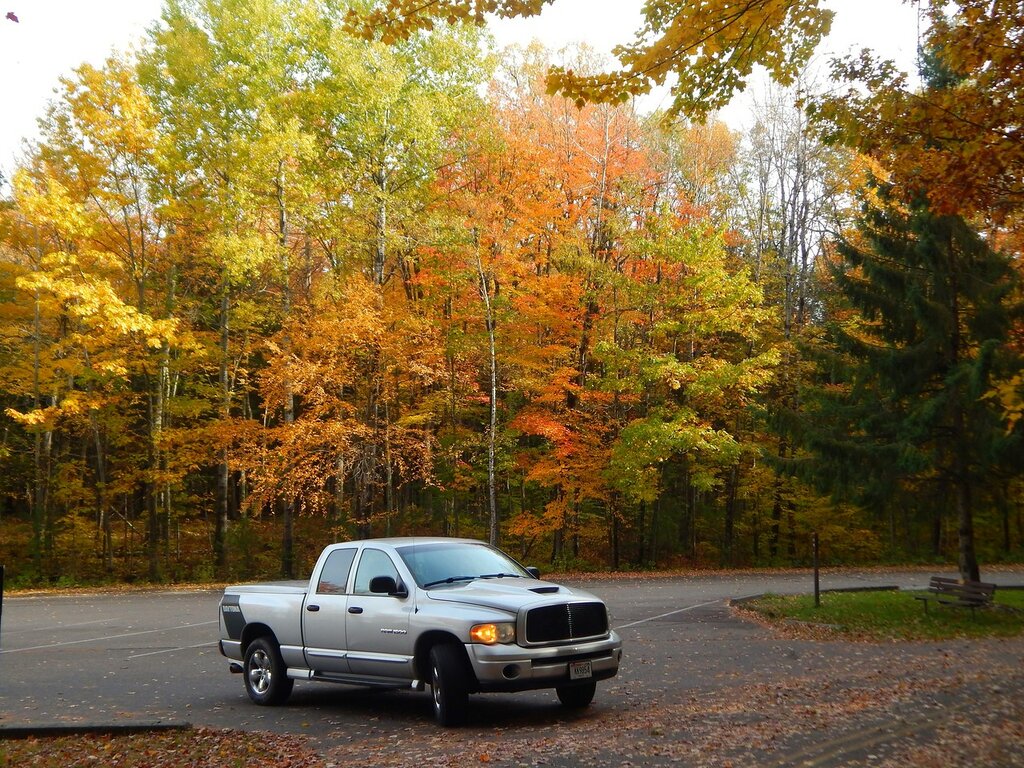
[{"x": 971, "y": 591}]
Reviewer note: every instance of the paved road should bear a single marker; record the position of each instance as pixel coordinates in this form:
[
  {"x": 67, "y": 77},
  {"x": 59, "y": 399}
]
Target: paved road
[{"x": 145, "y": 656}]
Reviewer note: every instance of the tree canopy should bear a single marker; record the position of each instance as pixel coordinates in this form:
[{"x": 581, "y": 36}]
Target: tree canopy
[
  {"x": 704, "y": 51},
  {"x": 266, "y": 284}
]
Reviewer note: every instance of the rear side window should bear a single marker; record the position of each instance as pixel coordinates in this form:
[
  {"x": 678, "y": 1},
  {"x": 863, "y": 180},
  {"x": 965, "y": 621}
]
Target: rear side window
[
  {"x": 334, "y": 576},
  {"x": 373, "y": 563}
]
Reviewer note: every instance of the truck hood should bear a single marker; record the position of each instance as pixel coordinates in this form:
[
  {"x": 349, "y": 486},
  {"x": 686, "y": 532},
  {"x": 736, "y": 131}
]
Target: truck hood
[{"x": 508, "y": 594}]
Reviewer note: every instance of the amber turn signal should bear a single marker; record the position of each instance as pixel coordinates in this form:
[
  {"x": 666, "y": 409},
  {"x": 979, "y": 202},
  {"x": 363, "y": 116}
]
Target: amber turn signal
[{"x": 489, "y": 634}]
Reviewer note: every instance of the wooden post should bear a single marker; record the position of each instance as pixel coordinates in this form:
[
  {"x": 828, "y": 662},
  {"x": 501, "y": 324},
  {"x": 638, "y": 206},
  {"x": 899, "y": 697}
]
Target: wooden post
[
  {"x": 817, "y": 580},
  {"x": 1, "y": 602}
]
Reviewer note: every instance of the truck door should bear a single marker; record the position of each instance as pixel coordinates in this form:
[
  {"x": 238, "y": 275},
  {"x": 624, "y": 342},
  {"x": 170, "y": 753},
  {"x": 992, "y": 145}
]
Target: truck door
[
  {"x": 378, "y": 625},
  {"x": 323, "y": 619}
]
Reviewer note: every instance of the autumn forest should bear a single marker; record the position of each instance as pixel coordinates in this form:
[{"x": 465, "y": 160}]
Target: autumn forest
[{"x": 297, "y": 271}]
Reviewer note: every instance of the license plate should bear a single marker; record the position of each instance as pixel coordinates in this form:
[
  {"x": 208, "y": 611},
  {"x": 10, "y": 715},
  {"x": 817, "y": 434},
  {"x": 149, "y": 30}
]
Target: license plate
[{"x": 580, "y": 670}]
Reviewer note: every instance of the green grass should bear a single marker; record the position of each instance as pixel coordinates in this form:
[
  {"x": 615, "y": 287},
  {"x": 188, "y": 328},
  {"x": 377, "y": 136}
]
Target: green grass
[{"x": 893, "y": 615}]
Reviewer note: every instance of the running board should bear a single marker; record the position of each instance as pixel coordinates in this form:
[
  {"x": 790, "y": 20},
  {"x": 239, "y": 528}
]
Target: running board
[{"x": 300, "y": 673}]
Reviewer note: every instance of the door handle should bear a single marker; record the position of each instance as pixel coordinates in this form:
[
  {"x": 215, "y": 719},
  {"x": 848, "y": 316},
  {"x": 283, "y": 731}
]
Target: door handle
[
  {"x": 312, "y": 608},
  {"x": 355, "y": 609}
]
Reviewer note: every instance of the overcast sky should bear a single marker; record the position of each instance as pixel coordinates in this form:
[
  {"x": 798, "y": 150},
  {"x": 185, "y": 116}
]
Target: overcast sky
[{"x": 54, "y": 36}]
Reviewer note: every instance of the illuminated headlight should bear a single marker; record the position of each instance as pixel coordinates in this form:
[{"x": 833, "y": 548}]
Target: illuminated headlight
[{"x": 489, "y": 634}]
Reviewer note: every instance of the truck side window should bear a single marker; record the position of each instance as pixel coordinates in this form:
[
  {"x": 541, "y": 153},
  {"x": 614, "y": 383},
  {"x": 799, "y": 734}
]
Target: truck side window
[
  {"x": 373, "y": 563},
  {"x": 334, "y": 576}
]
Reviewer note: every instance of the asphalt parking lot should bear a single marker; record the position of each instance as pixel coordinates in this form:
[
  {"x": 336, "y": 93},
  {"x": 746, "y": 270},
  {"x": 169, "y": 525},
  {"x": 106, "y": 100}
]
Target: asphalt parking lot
[{"x": 689, "y": 663}]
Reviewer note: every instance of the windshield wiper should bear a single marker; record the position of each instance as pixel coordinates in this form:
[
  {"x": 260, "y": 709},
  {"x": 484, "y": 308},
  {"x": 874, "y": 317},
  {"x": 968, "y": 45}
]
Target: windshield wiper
[
  {"x": 453, "y": 579},
  {"x": 449, "y": 580}
]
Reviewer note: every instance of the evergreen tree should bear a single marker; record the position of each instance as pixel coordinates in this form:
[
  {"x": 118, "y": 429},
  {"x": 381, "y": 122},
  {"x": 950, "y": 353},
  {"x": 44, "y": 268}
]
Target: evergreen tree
[{"x": 904, "y": 406}]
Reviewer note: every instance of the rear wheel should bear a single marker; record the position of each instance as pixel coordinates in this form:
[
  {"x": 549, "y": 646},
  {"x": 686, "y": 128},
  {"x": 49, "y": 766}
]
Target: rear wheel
[
  {"x": 576, "y": 696},
  {"x": 266, "y": 678},
  {"x": 448, "y": 685}
]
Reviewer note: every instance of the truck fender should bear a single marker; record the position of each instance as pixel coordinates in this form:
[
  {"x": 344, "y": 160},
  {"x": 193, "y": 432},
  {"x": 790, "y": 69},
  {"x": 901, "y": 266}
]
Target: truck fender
[
  {"x": 421, "y": 655},
  {"x": 254, "y": 630}
]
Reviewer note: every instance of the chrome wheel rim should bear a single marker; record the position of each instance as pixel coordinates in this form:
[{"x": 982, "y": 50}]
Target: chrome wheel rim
[
  {"x": 260, "y": 673},
  {"x": 435, "y": 688}
]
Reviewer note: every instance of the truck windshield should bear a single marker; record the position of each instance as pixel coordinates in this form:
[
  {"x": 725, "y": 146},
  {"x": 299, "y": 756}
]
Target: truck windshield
[{"x": 457, "y": 562}]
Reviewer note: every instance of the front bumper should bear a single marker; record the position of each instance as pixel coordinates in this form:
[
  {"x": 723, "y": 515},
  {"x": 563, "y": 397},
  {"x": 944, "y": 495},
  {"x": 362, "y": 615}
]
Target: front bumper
[{"x": 515, "y": 668}]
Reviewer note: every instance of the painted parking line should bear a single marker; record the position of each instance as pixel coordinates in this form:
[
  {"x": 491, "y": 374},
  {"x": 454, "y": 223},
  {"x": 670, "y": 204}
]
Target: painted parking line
[
  {"x": 107, "y": 637},
  {"x": 57, "y": 627},
  {"x": 172, "y": 650},
  {"x": 664, "y": 615}
]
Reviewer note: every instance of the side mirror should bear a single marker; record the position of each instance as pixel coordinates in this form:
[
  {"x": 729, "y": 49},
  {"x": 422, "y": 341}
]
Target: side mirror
[
  {"x": 386, "y": 585},
  {"x": 533, "y": 571}
]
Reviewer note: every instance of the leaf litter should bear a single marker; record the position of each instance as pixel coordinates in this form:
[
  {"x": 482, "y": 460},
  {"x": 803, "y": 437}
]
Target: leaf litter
[{"x": 957, "y": 704}]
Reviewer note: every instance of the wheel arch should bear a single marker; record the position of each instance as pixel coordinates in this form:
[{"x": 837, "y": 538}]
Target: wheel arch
[
  {"x": 254, "y": 631},
  {"x": 421, "y": 654}
]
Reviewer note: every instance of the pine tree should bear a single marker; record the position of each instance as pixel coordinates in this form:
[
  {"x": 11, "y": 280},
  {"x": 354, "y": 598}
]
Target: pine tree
[{"x": 906, "y": 406}]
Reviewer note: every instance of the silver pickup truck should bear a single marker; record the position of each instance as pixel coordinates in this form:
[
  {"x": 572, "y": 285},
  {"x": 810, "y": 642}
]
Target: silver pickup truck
[{"x": 454, "y": 614}]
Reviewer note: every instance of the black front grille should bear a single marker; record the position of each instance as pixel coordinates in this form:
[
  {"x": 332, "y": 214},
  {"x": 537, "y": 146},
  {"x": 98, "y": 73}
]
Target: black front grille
[{"x": 568, "y": 621}]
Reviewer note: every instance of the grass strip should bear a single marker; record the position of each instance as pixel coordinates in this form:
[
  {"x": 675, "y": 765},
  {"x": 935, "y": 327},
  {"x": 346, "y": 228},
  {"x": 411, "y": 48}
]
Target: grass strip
[{"x": 880, "y": 616}]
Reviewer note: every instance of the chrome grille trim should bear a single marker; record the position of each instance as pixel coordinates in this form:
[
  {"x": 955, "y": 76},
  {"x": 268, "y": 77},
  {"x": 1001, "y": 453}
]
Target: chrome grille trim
[{"x": 565, "y": 623}]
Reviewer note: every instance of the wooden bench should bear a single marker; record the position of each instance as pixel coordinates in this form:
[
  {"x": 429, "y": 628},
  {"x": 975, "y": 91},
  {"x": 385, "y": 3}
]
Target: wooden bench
[{"x": 959, "y": 594}]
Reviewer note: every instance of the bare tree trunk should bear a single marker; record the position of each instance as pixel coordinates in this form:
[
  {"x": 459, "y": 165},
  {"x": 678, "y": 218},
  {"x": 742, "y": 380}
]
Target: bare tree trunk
[
  {"x": 39, "y": 483},
  {"x": 1020, "y": 520},
  {"x": 381, "y": 180},
  {"x": 152, "y": 525},
  {"x": 755, "y": 536},
  {"x": 613, "y": 531},
  {"x": 732, "y": 485},
  {"x": 967, "y": 558},
  {"x": 163, "y": 394},
  {"x": 641, "y": 554},
  {"x": 1004, "y": 516},
  {"x": 220, "y": 530},
  {"x": 149, "y": 484},
  {"x": 288, "y": 502},
  {"x": 389, "y": 494},
  {"x": 339, "y": 489},
  {"x": 101, "y": 501},
  {"x": 492, "y": 494},
  {"x": 775, "y": 529}
]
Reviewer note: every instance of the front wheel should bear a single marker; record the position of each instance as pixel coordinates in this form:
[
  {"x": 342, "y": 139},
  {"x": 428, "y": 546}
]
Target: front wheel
[
  {"x": 576, "y": 696},
  {"x": 448, "y": 685},
  {"x": 266, "y": 678}
]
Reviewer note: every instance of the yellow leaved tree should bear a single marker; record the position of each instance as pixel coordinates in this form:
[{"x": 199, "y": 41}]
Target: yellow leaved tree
[{"x": 703, "y": 50}]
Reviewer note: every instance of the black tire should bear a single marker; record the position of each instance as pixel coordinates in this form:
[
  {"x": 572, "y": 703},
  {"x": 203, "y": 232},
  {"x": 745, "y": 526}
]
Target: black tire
[
  {"x": 449, "y": 686},
  {"x": 576, "y": 696},
  {"x": 266, "y": 677}
]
